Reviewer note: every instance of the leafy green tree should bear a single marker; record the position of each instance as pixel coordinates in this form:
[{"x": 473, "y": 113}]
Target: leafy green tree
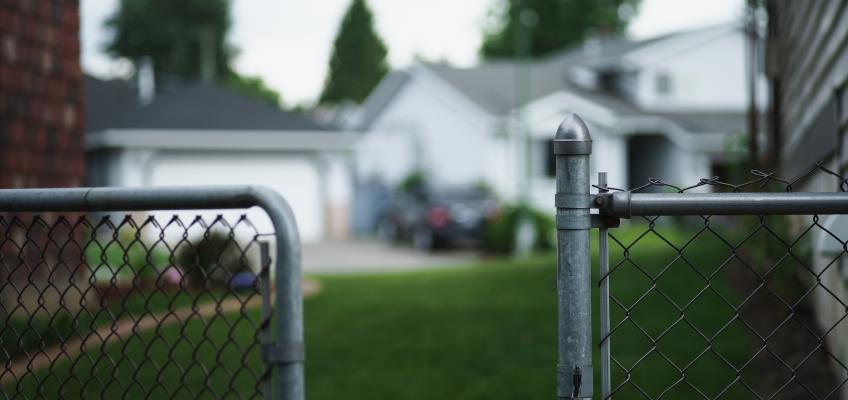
[
  {"x": 177, "y": 35},
  {"x": 358, "y": 62},
  {"x": 540, "y": 27},
  {"x": 185, "y": 38}
]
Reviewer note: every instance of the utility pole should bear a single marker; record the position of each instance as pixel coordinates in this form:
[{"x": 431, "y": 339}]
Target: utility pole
[
  {"x": 753, "y": 112},
  {"x": 525, "y": 21}
]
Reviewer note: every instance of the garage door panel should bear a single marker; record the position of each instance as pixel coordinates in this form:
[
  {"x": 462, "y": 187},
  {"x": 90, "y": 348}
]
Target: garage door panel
[{"x": 296, "y": 178}]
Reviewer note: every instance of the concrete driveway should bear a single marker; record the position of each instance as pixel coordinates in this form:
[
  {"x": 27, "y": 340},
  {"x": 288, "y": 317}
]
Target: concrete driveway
[{"x": 363, "y": 256}]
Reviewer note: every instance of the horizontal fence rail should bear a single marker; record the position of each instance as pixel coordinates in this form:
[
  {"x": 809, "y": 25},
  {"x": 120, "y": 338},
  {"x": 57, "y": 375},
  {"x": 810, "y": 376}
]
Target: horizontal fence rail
[
  {"x": 627, "y": 204},
  {"x": 149, "y": 293}
]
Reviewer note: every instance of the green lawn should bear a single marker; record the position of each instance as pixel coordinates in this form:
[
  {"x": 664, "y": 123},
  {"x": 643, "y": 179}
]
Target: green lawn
[
  {"x": 694, "y": 357},
  {"x": 490, "y": 331},
  {"x": 21, "y": 334},
  {"x": 212, "y": 358},
  {"x": 486, "y": 331}
]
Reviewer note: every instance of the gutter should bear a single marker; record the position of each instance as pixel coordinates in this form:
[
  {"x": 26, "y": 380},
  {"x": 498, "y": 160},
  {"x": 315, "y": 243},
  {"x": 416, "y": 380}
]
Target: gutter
[{"x": 190, "y": 139}]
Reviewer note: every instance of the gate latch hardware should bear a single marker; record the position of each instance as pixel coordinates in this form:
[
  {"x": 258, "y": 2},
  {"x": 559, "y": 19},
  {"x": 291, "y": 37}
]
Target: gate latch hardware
[{"x": 604, "y": 221}]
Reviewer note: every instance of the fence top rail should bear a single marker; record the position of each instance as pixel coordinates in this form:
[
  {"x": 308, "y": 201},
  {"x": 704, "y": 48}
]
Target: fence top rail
[
  {"x": 628, "y": 204},
  {"x": 140, "y": 199}
]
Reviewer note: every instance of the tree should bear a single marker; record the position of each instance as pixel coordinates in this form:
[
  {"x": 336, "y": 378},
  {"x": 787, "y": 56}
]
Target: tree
[
  {"x": 175, "y": 34},
  {"x": 358, "y": 62},
  {"x": 185, "y": 38},
  {"x": 540, "y": 27}
]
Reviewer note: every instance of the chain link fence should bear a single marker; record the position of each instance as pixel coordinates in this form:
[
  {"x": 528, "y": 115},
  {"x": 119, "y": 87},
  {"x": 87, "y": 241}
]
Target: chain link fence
[
  {"x": 97, "y": 303},
  {"x": 716, "y": 290},
  {"x": 749, "y": 306}
]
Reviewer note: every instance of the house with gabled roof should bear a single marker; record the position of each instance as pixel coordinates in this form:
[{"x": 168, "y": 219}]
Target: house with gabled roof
[
  {"x": 197, "y": 133},
  {"x": 664, "y": 105}
]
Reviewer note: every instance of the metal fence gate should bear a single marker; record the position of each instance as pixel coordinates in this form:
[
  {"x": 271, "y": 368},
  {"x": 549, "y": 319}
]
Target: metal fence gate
[
  {"x": 711, "y": 291},
  {"x": 140, "y": 293}
]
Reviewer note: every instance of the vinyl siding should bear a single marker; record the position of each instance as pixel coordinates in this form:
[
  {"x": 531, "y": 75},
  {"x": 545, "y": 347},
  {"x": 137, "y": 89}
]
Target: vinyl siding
[{"x": 810, "y": 40}]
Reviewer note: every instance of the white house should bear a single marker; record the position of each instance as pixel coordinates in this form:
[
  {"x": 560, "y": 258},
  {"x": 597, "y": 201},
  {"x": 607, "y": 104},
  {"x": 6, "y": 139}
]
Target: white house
[
  {"x": 202, "y": 134},
  {"x": 662, "y": 107}
]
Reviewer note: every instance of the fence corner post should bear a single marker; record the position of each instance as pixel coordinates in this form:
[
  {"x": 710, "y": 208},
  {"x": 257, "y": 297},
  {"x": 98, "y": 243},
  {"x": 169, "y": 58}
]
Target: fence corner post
[{"x": 572, "y": 147}]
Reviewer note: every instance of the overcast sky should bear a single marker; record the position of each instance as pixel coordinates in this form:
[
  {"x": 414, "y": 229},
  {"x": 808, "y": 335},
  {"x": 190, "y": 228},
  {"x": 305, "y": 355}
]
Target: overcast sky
[{"x": 288, "y": 42}]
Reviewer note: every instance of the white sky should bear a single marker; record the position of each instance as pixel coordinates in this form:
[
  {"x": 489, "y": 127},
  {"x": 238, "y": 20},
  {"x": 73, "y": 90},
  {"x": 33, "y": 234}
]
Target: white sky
[{"x": 288, "y": 42}]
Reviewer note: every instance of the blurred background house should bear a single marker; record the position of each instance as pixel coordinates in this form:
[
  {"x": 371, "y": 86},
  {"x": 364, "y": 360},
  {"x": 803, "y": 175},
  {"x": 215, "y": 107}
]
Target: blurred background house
[
  {"x": 660, "y": 107},
  {"x": 202, "y": 133},
  {"x": 180, "y": 110},
  {"x": 652, "y": 103}
]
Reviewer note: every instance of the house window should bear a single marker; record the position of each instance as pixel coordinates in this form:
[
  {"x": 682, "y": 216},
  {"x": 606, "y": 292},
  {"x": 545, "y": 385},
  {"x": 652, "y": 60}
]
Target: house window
[
  {"x": 542, "y": 161},
  {"x": 663, "y": 83}
]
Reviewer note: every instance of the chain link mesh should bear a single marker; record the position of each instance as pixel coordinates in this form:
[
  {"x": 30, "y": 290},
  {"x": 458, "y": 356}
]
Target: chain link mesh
[
  {"x": 715, "y": 307},
  {"x": 131, "y": 306}
]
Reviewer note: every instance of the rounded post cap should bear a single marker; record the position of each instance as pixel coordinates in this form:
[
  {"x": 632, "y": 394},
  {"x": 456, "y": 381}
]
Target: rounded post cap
[{"x": 573, "y": 128}]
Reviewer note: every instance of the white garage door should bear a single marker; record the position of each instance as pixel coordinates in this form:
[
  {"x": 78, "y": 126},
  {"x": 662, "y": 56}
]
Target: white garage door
[{"x": 295, "y": 177}]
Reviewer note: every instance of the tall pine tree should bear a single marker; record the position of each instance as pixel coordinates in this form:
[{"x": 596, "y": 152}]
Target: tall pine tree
[
  {"x": 553, "y": 25},
  {"x": 358, "y": 62}
]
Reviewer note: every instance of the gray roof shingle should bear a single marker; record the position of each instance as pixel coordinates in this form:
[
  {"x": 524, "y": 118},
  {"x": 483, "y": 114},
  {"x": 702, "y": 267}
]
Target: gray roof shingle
[
  {"x": 493, "y": 84},
  {"x": 191, "y": 105}
]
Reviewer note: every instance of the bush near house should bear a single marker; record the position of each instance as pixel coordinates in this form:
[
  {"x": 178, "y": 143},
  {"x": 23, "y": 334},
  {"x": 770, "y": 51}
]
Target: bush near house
[
  {"x": 124, "y": 263},
  {"x": 124, "y": 257},
  {"x": 500, "y": 234},
  {"x": 214, "y": 259},
  {"x": 121, "y": 264}
]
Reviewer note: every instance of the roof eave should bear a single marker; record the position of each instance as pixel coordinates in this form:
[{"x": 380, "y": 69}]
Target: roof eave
[{"x": 244, "y": 140}]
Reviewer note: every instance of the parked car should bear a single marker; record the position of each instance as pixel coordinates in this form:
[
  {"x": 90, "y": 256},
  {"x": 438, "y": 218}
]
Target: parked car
[{"x": 437, "y": 218}]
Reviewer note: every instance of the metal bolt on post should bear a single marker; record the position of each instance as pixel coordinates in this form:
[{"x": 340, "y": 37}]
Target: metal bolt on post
[{"x": 572, "y": 147}]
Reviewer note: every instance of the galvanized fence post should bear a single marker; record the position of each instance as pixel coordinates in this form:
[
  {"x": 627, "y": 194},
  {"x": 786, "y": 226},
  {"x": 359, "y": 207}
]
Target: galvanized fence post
[
  {"x": 265, "y": 310},
  {"x": 572, "y": 147}
]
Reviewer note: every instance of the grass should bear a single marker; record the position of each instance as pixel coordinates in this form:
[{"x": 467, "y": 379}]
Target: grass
[
  {"x": 214, "y": 358},
  {"x": 487, "y": 331},
  {"x": 490, "y": 332},
  {"x": 656, "y": 275},
  {"x": 19, "y": 334}
]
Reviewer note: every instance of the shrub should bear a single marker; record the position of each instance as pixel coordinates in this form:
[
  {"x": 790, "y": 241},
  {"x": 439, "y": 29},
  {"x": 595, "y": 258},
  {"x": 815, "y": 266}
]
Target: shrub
[
  {"x": 215, "y": 258},
  {"x": 499, "y": 237},
  {"x": 124, "y": 257},
  {"x": 414, "y": 182}
]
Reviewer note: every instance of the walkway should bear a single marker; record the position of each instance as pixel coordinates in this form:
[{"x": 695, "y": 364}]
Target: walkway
[{"x": 368, "y": 256}]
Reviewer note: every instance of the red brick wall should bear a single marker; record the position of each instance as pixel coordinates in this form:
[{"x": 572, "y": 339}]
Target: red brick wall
[{"x": 41, "y": 109}]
